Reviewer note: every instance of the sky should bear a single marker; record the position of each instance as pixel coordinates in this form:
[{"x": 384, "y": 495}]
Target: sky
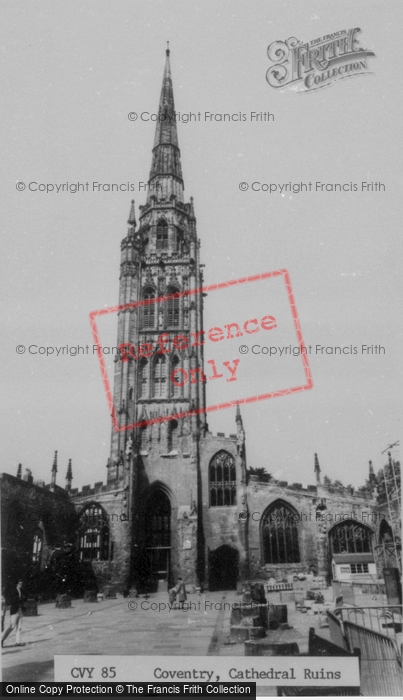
[{"x": 72, "y": 74}]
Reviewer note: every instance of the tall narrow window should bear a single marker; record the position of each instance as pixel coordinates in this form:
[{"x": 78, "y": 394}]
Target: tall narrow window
[
  {"x": 173, "y": 308},
  {"x": 173, "y": 435},
  {"x": 148, "y": 310},
  {"x": 143, "y": 379},
  {"x": 222, "y": 478},
  {"x": 160, "y": 378},
  {"x": 280, "y": 535},
  {"x": 143, "y": 438},
  {"x": 179, "y": 240},
  {"x": 162, "y": 235},
  {"x": 175, "y": 389}
]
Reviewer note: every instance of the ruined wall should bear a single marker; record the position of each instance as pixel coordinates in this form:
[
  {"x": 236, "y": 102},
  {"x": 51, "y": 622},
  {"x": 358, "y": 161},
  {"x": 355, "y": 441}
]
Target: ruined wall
[
  {"x": 113, "y": 499},
  {"x": 176, "y": 475},
  {"x": 221, "y": 524},
  {"x": 313, "y": 525},
  {"x": 26, "y": 507}
]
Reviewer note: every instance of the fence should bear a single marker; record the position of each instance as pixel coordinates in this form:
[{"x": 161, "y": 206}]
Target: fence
[
  {"x": 317, "y": 583},
  {"x": 385, "y": 619},
  {"x": 381, "y": 665},
  {"x": 279, "y": 587}
]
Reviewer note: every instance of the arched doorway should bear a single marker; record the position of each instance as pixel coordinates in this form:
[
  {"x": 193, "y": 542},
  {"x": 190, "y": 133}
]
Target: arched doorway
[
  {"x": 223, "y": 568},
  {"x": 158, "y": 537}
]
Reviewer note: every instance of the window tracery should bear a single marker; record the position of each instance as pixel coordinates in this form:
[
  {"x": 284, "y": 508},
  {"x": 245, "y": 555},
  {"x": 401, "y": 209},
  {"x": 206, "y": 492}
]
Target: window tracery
[
  {"x": 222, "y": 478},
  {"x": 148, "y": 310},
  {"x": 160, "y": 378},
  {"x": 93, "y": 534},
  {"x": 280, "y": 535},
  {"x": 350, "y": 537},
  {"x": 162, "y": 235}
]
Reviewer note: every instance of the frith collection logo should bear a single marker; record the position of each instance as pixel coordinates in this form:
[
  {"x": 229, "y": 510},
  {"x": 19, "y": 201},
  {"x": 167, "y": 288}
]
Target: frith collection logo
[{"x": 309, "y": 66}]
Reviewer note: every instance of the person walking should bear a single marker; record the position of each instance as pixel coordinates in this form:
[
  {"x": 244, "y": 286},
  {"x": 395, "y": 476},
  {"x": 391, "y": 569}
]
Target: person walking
[{"x": 17, "y": 600}]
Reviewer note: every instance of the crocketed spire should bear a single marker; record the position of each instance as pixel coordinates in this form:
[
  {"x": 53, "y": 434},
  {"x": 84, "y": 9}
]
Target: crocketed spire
[{"x": 166, "y": 153}]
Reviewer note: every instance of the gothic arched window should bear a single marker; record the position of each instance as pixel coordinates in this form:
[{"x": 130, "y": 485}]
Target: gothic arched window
[
  {"x": 280, "y": 535},
  {"x": 162, "y": 235},
  {"x": 143, "y": 380},
  {"x": 173, "y": 308},
  {"x": 160, "y": 377},
  {"x": 93, "y": 534},
  {"x": 148, "y": 310},
  {"x": 222, "y": 478},
  {"x": 37, "y": 546},
  {"x": 350, "y": 537}
]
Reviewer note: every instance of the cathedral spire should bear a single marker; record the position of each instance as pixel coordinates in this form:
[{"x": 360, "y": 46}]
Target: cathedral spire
[{"x": 166, "y": 153}]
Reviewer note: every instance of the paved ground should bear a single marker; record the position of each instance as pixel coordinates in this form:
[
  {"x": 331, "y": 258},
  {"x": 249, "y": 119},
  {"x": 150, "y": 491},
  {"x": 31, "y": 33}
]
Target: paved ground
[{"x": 111, "y": 627}]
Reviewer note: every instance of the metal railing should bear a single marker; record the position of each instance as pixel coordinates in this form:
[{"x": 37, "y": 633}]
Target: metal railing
[
  {"x": 279, "y": 587},
  {"x": 386, "y": 619},
  {"x": 381, "y": 664}
]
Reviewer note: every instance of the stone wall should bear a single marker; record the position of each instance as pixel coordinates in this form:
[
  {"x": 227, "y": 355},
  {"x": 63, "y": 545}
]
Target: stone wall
[
  {"x": 26, "y": 507},
  {"x": 221, "y": 524},
  {"x": 313, "y": 526},
  {"x": 116, "y": 569}
]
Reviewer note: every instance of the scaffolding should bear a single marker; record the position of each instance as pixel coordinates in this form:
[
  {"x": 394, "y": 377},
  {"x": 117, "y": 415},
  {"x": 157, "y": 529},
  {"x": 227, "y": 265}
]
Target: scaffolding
[{"x": 391, "y": 481}]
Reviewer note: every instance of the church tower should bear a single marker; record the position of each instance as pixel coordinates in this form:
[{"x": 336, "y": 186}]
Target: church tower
[
  {"x": 160, "y": 259},
  {"x": 159, "y": 382}
]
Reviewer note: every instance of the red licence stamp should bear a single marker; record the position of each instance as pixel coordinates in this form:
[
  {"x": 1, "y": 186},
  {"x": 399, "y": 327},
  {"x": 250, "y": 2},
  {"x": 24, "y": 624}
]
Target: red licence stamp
[{"x": 261, "y": 355}]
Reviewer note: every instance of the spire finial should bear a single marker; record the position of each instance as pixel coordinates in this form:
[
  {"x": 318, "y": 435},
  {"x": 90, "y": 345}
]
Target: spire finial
[
  {"x": 132, "y": 216},
  {"x": 168, "y": 51},
  {"x": 54, "y": 466},
  {"x": 69, "y": 476},
  {"x": 54, "y": 469},
  {"x": 317, "y": 469}
]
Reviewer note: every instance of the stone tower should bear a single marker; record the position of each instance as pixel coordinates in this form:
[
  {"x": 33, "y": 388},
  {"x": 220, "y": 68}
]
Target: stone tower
[{"x": 159, "y": 383}]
